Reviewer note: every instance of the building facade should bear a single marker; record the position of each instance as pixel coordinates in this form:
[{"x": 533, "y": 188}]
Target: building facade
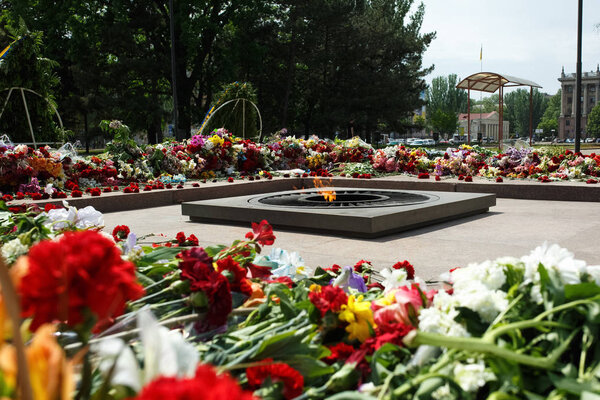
[
  {"x": 590, "y": 88},
  {"x": 486, "y": 123}
]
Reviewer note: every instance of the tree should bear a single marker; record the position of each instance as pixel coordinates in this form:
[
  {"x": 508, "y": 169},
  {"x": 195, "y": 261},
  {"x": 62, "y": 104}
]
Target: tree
[
  {"x": 593, "y": 122},
  {"x": 25, "y": 66},
  {"x": 517, "y": 109},
  {"x": 444, "y": 121},
  {"x": 485, "y": 105},
  {"x": 549, "y": 121},
  {"x": 444, "y": 102}
]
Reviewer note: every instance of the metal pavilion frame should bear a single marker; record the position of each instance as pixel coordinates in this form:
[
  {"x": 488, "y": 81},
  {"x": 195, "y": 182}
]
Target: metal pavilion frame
[{"x": 490, "y": 82}]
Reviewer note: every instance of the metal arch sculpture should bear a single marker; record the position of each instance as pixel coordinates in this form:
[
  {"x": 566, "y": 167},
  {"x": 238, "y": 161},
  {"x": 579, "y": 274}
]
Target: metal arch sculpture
[
  {"x": 23, "y": 90},
  {"x": 211, "y": 113}
]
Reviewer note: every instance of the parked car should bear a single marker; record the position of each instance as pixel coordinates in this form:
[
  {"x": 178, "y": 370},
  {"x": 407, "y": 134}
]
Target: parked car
[
  {"x": 429, "y": 142},
  {"x": 417, "y": 142},
  {"x": 569, "y": 140},
  {"x": 589, "y": 140}
]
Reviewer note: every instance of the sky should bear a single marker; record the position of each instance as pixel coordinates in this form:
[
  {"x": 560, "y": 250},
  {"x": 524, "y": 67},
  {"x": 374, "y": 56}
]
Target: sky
[{"x": 529, "y": 39}]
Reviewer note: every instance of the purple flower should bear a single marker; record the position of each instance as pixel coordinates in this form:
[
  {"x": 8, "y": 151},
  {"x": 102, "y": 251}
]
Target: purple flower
[{"x": 348, "y": 279}]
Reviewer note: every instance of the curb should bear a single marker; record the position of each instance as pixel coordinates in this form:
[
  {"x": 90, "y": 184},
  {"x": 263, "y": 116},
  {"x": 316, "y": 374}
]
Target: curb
[{"x": 113, "y": 202}]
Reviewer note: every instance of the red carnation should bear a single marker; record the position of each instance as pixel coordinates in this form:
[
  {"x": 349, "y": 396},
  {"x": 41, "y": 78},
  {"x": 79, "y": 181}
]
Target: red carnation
[
  {"x": 205, "y": 384},
  {"x": 120, "y": 232},
  {"x": 292, "y": 380},
  {"x": 410, "y": 270},
  {"x": 196, "y": 267},
  {"x": 329, "y": 298},
  {"x": 262, "y": 233},
  {"x": 236, "y": 275},
  {"x": 362, "y": 266},
  {"x": 339, "y": 352},
  {"x": 286, "y": 280},
  {"x": 80, "y": 271},
  {"x": 192, "y": 240},
  {"x": 180, "y": 238}
]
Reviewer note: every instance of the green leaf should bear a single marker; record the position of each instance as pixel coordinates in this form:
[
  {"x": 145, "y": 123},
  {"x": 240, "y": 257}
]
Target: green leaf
[
  {"x": 581, "y": 291},
  {"x": 143, "y": 279},
  {"x": 351, "y": 396},
  {"x": 159, "y": 253},
  {"x": 309, "y": 367},
  {"x": 212, "y": 251},
  {"x": 589, "y": 396}
]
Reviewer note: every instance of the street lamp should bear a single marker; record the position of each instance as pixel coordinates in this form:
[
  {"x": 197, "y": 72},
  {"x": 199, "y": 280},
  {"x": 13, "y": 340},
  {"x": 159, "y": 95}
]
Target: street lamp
[{"x": 578, "y": 76}]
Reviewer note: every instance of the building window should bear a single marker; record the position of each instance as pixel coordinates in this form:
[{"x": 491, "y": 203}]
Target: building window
[
  {"x": 592, "y": 88},
  {"x": 592, "y": 100},
  {"x": 569, "y": 100},
  {"x": 568, "y": 122},
  {"x": 569, "y": 89}
]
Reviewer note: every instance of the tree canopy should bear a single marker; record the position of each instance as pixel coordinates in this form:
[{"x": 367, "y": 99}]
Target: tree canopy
[
  {"x": 593, "y": 122},
  {"x": 516, "y": 109},
  {"x": 444, "y": 102},
  {"x": 315, "y": 65},
  {"x": 549, "y": 121}
]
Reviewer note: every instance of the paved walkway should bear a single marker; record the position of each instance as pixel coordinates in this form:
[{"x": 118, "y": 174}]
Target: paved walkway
[{"x": 511, "y": 228}]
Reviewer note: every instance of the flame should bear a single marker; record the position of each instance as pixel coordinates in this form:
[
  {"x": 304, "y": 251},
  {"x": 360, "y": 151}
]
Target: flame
[{"x": 325, "y": 190}]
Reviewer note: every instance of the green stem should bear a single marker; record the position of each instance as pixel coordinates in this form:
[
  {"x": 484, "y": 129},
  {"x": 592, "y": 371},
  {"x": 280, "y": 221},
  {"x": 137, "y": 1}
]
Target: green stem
[
  {"x": 530, "y": 323},
  {"x": 483, "y": 346},
  {"x": 565, "y": 307},
  {"x": 86, "y": 378}
]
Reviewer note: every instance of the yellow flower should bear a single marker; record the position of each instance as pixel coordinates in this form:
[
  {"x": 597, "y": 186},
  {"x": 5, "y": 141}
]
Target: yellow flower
[
  {"x": 50, "y": 374},
  {"x": 216, "y": 140},
  {"x": 315, "y": 288},
  {"x": 388, "y": 300},
  {"x": 359, "y": 316}
]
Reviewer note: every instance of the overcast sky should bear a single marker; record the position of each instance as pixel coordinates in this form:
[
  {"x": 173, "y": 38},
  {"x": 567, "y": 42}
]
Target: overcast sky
[{"x": 529, "y": 39}]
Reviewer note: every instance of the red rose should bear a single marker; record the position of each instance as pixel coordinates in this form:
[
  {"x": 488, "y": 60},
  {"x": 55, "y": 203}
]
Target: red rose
[
  {"x": 80, "y": 271},
  {"x": 205, "y": 384},
  {"x": 329, "y": 298},
  {"x": 437, "y": 178},
  {"x": 292, "y": 380},
  {"x": 76, "y": 193},
  {"x": 468, "y": 178},
  {"x": 262, "y": 233},
  {"x": 499, "y": 179}
]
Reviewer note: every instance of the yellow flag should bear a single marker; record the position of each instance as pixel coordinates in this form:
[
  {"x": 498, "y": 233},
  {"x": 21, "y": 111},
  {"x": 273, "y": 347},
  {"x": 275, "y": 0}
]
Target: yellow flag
[{"x": 481, "y": 53}]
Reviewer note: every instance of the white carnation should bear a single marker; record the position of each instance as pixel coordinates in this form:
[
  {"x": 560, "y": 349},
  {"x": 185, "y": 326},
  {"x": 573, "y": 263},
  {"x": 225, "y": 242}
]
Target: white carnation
[
  {"x": 471, "y": 377},
  {"x": 13, "y": 249}
]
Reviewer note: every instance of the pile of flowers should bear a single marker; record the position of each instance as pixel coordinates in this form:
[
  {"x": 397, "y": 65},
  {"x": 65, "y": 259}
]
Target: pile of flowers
[
  {"x": 36, "y": 174},
  {"x": 171, "y": 319}
]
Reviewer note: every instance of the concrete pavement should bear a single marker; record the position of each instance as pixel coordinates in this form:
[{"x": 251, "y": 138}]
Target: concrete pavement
[{"x": 512, "y": 228}]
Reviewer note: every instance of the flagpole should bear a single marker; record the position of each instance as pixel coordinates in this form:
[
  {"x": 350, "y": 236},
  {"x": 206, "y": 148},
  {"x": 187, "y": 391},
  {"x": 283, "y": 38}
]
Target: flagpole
[{"x": 480, "y": 92}]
